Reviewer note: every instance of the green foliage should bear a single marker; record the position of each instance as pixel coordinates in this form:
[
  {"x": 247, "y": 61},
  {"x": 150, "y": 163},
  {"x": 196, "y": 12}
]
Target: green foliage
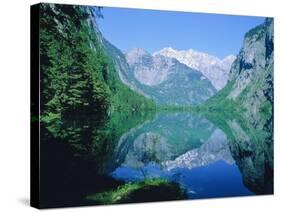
[
  {"x": 106, "y": 134},
  {"x": 127, "y": 101},
  {"x": 224, "y": 111},
  {"x": 150, "y": 190},
  {"x": 71, "y": 70},
  {"x": 77, "y": 77},
  {"x": 95, "y": 137},
  {"x": 220, "y": 101},
  {"x": 266, "y": 109}
]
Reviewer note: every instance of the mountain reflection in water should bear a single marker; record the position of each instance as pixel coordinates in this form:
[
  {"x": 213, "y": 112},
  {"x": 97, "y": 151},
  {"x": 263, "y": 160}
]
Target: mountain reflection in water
[
  {"x": 189, "y": 149},
  {"x": 206, "y": 154}
]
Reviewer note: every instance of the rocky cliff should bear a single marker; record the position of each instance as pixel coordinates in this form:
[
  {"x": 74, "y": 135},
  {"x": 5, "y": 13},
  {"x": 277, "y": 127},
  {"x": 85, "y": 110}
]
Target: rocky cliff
[
  {"x": 252, "y": 73},
  {"x": 249, "y": 93}
]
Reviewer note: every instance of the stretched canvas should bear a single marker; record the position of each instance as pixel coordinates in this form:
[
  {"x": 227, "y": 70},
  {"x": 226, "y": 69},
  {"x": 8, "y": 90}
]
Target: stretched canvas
[{"x": 134, "y": 105}]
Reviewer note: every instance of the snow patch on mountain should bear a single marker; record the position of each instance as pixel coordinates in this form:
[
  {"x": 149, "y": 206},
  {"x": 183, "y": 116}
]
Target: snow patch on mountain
[
  {"x": 167, "y": 80},
  {"x": 215, "y": 69}
]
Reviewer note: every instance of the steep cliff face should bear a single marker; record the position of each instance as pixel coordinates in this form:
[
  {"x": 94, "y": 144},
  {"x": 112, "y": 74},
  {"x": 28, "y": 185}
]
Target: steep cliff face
[
  {"x": 252, "y": 72},
  {"x": 250, "y": 86},
  {"x": 249, "y": 93}
]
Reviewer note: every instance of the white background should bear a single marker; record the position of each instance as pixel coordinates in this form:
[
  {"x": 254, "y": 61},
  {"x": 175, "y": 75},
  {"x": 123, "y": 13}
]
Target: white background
[{"x": 14, "y": 103}]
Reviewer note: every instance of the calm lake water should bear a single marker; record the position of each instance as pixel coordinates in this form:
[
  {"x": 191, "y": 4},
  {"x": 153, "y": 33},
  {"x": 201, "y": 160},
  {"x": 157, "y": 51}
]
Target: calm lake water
[
  {"x": 206, "y": 155},
  {"x": 184, "y": 148}
]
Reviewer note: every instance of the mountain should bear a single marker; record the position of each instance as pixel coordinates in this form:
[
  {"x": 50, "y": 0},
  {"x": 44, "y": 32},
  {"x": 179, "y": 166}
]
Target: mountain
[
  {"x": 166, "y": 80},
  {"x": 122, "y": 67},
  {"x": 77, "y": 74},
  {"x": 215, "y": 69},
  {"x": 249, "y": 92},
  {"x": 250, "y": 83},
  {"x": 252, "y": 71},
  {"x": 149, "y": 70}
]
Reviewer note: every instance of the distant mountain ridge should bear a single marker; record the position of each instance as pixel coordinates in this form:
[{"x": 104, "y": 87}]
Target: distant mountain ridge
[
  {"x": 166, "y": 80},
  {"x": 215, "y": 69}
]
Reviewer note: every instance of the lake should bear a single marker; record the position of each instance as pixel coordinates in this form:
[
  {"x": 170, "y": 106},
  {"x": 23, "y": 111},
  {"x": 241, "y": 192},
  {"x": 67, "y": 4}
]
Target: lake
[{"x": 204, "y": 154}]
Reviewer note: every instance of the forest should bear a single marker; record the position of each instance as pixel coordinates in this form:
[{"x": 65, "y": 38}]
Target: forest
[{"x": 77, "y": 77}]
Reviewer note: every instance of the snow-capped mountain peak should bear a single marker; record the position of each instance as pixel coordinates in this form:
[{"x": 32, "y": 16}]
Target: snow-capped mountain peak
[
  {"x": 160, "y": 77},
  {"x": 215, "y": 69}
]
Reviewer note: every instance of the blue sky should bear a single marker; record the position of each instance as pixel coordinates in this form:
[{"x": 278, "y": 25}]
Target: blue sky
[{"x": 219, "y": 35}]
